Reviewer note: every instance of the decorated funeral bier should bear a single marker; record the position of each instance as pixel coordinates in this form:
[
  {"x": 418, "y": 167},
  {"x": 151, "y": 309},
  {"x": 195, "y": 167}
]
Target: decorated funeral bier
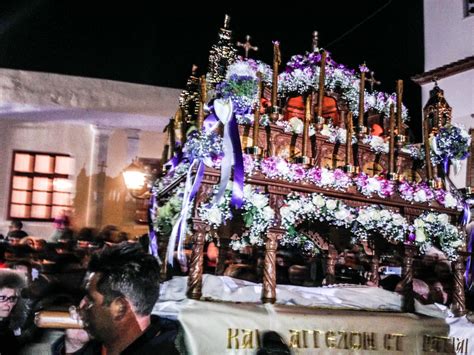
[{"x": 308, "y": 158}]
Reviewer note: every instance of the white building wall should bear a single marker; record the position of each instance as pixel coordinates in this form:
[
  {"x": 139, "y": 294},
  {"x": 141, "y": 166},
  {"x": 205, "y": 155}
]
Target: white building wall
[
  {"x": 449, "y": 36},
  {"x": 75, "y": 139},
  {"x": 72, "y": 139}
]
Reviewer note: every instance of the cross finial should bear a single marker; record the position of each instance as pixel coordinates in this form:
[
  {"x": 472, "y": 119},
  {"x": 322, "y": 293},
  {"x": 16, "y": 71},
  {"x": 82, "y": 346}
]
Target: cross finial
[
  {"x": 435, "y": 80},
  {"x": 314, "y": 45},
  {"x": 247, "y": 46},
  {"x": 372, "y": 81},
  {"x": 226, "y": 21}
]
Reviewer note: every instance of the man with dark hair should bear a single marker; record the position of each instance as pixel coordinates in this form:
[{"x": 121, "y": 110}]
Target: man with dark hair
[
  {"x": 15, "y": 231},
  {"x": 12, "y": 311},
  {"x": 122, "y": 288}
]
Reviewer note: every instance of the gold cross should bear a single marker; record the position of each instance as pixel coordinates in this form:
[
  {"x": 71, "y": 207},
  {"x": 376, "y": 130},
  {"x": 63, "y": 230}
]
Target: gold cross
[
  {"x": 372, "y": 81},
  {"x": 247, "y": 46}
]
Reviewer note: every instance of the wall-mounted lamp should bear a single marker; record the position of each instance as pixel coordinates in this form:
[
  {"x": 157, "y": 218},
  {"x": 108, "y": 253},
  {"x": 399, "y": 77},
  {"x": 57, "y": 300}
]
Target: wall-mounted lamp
[{"x": 137, "y": 179}]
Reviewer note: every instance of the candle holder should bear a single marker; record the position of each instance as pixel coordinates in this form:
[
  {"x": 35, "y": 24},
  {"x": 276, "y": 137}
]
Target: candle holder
[
  {"x": 439, "y": 184},
  {"x": 349, "y": 169},
  {"x": 320, "y": 121},
  {"x": 392, "y": 176},
  {"x": 254, "y": 151},
  {"x": 274, "y": 112},
  {"x": 361, "y": 132},
  {"x": 303, "y": 160},
  {"x": 400, "y": 140}
]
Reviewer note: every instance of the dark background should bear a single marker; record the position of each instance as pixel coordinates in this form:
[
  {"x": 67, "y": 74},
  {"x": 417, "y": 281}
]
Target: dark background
[{"x": 153, "y": 42}]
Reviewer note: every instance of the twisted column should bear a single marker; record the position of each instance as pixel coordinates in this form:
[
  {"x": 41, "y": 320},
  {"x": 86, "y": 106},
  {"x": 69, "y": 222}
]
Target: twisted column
[
  {"x": 374, "y": 270},
  {"x": 196, "y": 265},
  {"x": 269, "y": 271},
  {"x": 331, "y": 265},
  {"x": 458, "y": 306},
  {"x": 407, "y": 281}
]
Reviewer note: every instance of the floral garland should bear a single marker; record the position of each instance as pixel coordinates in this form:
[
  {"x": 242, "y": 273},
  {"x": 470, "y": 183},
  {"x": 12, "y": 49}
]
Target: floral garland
[
  {"x": 315, "y": 207},
  {"x": 428, "y": 229},
  {"x": 391, "y": 225},
  {"x": 302, "y": 75},
  {"x": 434, "y": 229},
  {"x": 369, "y": 186},
  {"x": 257, "y": 215},
  {"x": 278, "y": 168}
]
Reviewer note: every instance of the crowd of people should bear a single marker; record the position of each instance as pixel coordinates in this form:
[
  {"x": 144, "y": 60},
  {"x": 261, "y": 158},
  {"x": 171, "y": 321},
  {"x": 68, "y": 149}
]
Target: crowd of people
[{"x": 114, "y": 282}]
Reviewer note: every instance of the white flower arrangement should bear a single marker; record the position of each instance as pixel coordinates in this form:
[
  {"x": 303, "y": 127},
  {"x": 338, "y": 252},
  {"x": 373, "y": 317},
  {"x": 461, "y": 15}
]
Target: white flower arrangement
[
  {"x": 314, "y": 207},
  {"x": 257, "y": 215},
  {"x": 434, "y": 229},
  {"x": 376, "y": 144},
  {"x": 391, "y": 225}
]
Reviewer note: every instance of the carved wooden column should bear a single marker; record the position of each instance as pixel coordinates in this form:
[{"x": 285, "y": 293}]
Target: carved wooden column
[
  {"x": 196, "y": 264},
  {"x": 374, "y": 270},
  {"x": 408, "y": 304},
  {"x": 458, "y": 306},
  {"x": 269, "y": 271},
  {"x": 331, "y": 265}
]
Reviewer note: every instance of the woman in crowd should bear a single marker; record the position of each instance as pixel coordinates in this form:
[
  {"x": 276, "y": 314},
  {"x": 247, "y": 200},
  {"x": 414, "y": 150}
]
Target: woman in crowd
[{"x": 12, "y": 311}]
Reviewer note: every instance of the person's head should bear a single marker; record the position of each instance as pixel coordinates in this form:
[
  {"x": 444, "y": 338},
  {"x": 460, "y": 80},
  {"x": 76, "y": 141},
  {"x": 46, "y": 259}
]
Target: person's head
[
  {"x": 122, "y": 288},
  {"x": 11, "y": 284},
  {"x": 15, "y": 225}
]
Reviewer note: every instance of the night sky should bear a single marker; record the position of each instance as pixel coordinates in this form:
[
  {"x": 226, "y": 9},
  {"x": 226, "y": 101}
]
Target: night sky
[{"x": 142, "y": 43}]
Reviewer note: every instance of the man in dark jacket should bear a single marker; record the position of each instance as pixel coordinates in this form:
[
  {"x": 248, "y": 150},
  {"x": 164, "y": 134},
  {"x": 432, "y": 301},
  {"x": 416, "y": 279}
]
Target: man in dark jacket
[{"x": 122, "y": 288}]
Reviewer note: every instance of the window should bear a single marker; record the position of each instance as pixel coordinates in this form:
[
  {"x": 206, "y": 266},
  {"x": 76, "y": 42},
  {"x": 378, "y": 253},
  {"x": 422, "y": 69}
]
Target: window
[
  {"x": 40, "y": 186},
  {"x": 468, "y": 8}
]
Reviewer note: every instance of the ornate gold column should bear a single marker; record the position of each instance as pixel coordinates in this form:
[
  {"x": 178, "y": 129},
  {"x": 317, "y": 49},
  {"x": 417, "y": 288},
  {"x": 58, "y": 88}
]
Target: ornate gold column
[
  {"x": 374, "y": 269},
  {"x": 269, "y": 271}
]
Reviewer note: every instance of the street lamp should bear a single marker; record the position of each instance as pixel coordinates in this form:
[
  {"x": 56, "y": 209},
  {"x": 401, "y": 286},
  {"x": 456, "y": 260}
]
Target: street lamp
[{"x": 136, "y": 179}]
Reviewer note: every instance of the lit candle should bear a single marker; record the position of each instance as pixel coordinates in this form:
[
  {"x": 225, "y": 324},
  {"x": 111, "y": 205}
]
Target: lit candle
[
  {"x": 399, "y": 106},
  {"x": 361, "y": 96},
  {"x": 307, "y": 120},
  {"x": 322, "y": 74},
  {"x": 256, "y": 115},
  {"x": 200, "y": 119},
  {"x": 391, "y": 156},
  {"x": 276, "y": 64}
]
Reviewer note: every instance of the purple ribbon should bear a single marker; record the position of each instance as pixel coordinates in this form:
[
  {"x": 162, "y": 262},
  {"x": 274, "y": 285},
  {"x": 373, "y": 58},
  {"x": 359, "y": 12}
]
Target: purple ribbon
[
  {"x": 445, "y": 165},
  {"x": 238, "y": 185},
  {"x": 153, "y": 248},
  {"x": 469, "y": 264}
]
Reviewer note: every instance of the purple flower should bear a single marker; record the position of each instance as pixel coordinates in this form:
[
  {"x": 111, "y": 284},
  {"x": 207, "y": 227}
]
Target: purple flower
[
  {"x": 297, "y": 172},
  {"x": 314, "y": 175},
  {"x": 269, "y": 167},
  {"x": 249, "y": 163}
]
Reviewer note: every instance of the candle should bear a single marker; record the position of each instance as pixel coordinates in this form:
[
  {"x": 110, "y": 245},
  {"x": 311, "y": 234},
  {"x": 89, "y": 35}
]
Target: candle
[
  {"x": 429, "y": 167},
  {"x": 322, "y": 74},
  {"x": 361, "y": 96},
  {"x": 307, "y": 120},
  {"x": 399, "y": 106},
  {"x": 200, "y": 119},
  {"x": 256, "y": 115},
  {"x": 349, "y": 130},
  {"x": 276, "y": 63},
  {"x": 391, "y": 156}
]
